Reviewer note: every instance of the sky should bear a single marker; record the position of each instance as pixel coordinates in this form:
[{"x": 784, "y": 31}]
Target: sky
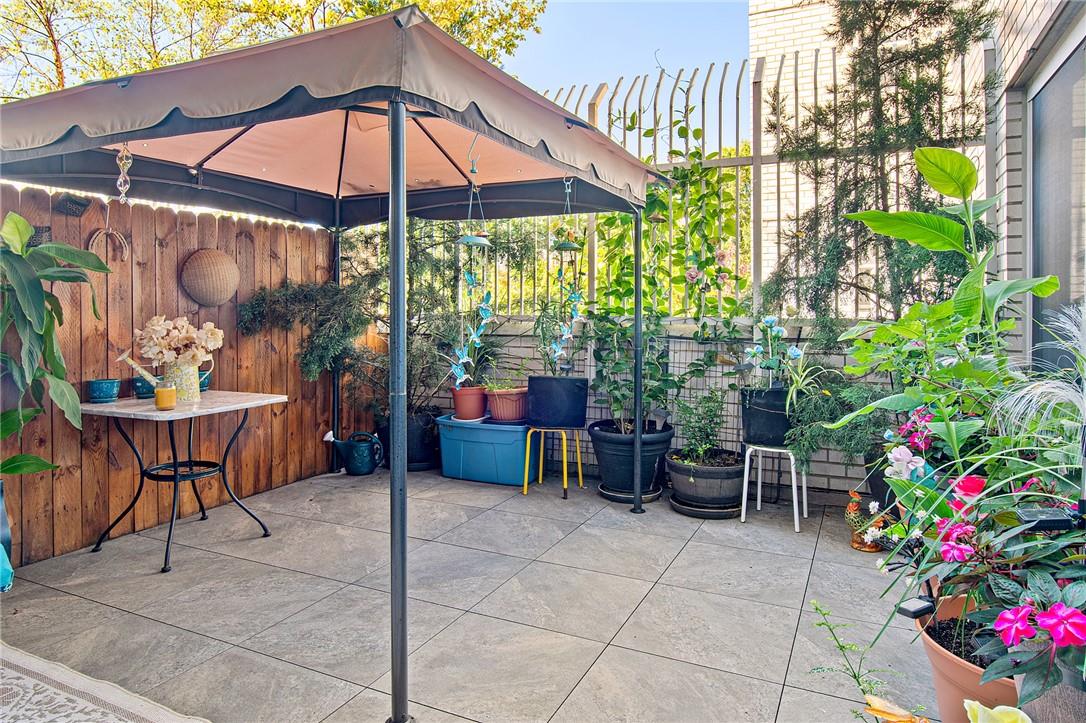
[{"x": 593, "y": 41}]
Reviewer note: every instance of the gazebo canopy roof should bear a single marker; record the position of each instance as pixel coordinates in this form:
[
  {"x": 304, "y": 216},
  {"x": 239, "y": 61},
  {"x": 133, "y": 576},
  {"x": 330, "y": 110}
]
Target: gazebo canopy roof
[{"x": 297, "y": 129}]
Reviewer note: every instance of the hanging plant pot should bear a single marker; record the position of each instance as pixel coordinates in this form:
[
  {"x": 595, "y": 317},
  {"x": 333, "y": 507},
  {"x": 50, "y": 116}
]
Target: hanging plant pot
[
  {"x": 469, "y": 404},
  {"x": 507, "y": 405},
  {"x": 708, "y": 491},
  {"x": 557, "y": 402},
  {"x": 764, "y": 420},
  {"x": 614, "y": 454},
  {"x": 957, "y": 680}
]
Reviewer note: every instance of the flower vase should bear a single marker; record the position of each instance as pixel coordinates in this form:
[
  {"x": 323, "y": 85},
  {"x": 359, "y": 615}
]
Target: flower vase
[{"x": 186, "y": 378}]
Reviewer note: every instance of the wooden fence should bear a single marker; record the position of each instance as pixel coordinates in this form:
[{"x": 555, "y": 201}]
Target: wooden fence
[{"x": 54, "y": 513}]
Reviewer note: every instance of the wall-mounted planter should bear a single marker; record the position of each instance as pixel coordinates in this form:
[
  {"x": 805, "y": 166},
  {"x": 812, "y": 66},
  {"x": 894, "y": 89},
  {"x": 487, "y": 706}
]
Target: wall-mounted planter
[{"x": 483, "y": 452}]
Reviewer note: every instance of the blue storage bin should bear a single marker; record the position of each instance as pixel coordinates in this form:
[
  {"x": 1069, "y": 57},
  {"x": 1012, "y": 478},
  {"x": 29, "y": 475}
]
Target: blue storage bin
[{"x": 485, "y": 452}]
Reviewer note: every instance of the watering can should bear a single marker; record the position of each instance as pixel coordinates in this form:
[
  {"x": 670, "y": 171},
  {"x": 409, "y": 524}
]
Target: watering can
[{"x": 361, "y": 453}]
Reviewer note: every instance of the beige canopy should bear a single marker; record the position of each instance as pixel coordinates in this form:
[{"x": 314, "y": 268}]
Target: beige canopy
[{"x": 289, "y": 127}]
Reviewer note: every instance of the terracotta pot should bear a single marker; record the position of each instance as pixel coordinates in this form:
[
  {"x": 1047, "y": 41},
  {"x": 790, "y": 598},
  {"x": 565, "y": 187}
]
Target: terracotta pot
[
  {"x": 957, "y": 680},
  {"x": 858, "y": 543},
  {"x": 469, "y": 403},
  {"x": 507, "y": 405}
]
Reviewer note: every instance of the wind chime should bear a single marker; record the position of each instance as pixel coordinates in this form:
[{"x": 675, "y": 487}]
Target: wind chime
[
  {"x": 567, "y": 248},
  {"x": 472, "y": 238}
]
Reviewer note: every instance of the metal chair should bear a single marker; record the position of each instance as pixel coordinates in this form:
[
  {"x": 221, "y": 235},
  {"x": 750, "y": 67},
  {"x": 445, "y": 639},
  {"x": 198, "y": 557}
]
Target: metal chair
[{"x": 565, "y": 457}]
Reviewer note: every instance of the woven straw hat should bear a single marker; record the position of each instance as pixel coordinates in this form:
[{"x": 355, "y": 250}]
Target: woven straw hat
[{"x": 210, "y": 277}]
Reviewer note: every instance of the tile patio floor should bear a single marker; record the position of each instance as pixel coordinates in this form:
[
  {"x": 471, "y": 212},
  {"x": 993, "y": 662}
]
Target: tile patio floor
[{"x": 522, "y": 609}]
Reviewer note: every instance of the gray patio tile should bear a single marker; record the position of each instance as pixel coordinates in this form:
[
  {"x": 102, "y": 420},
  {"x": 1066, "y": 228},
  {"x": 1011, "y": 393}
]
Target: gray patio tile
[
  {"x": 619, "y": 552},
  {"x": 853, "y": 592},
  {"x": 770, "y": 530},
  {"x": 127, "y": 572},
  {"x": 546, "y": 501},
  {"x": 833, "y": 542},
  {"x": 346, "y": 634},
  {"x": 32, "y": 616},
  {"x": 131, "y": 651},
  {"x": 358, "y": 508},
  {"x": 449, "y": 575},
  {"x": 711, "y": 630},
  {"x": 373, "y": 705},
  {"x": 509, "y": 534},
  {"x": 317, "y": 548},
  {"x": 909, "y": 681},
  {"x": 493, "y": 670},
  {"x": 471, "y": 494},
  {"x": 237, "y": 606},
  {"x": 658, "y": 519},
  {"x": 803, "y": 706},
  {"x": 567, "y": 600},
  {"x": 760, "y": 576},
  {"x": 379, "y": 481},
  {"x": 240, "y": 686},
  {"x": 627, "y": 686}
]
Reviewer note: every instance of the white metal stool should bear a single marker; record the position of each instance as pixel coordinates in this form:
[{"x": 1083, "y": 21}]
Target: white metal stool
[{"x": 746, "y": 479}]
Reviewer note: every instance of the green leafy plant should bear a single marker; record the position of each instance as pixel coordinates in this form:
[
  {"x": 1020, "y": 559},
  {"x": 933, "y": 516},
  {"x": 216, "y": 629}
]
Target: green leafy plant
[
  {"x": 36, "y": 314},
  {"x": 859, "y": 439},
  {"x": 700, "y": 423}
]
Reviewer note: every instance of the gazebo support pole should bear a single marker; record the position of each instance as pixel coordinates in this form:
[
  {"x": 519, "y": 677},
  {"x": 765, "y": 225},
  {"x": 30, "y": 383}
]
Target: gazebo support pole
[
  {"x": 638, "y": 354},
  {"x": 397, "y": 386},
  {"x": 337, "y": 375}
]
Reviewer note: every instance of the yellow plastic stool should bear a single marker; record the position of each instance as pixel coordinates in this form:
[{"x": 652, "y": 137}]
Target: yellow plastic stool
[{"x": 565, "y": 457}]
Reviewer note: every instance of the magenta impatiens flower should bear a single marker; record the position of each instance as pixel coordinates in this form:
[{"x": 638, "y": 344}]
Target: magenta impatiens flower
[
  {"x": 1065, "y": 624},
  {"x": 969, "y": 486},
  {"x": 1013, "y": 625},
  {"x": 953, "y": 531},
  {"x": 956, "y": 551}
]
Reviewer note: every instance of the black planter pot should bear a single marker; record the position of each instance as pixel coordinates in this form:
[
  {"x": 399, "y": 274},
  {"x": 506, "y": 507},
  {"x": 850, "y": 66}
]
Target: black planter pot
[
  {"x": 881, "y": 491},
  {"x": 614, "y": 455},
  {"x": 557, "y": 402},
  {"x": 764, "y": 420},
  {"x": 422, "y": 442},
  {"x": 704, "y": 491}
]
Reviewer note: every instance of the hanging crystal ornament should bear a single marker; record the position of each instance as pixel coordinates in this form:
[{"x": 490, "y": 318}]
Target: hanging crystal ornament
[
  {"x": 124, "y": 162},
  {"x": 474, "y": 237}
]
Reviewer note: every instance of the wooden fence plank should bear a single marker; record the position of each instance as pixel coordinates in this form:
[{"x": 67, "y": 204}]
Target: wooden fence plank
[
  {"x": 167, "y": 265},
  {"x": 186, "y": 244},
  {"x": 277, "y": 359},
  {"x": 95, "y": 446},
  {"x": 207, "y": 236},
  {"x": 13, "y": 486},
  {"x": 122, "y": 466},
  {"x": 226, "y": 363},
  {"x": 294, "y": 373},
  {"x": 309, "y": 389},
  {"x": 246, "y": 448},
  {"x": 144, "y": 269}
]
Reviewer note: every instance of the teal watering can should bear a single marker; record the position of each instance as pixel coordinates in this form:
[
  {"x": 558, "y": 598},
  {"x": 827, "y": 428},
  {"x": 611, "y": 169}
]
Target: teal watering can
[{"x": 361, "y": 453}]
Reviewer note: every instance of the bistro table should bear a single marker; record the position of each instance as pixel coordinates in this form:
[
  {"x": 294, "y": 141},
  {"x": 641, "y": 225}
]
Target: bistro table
[{"x": 178, "y": 471}]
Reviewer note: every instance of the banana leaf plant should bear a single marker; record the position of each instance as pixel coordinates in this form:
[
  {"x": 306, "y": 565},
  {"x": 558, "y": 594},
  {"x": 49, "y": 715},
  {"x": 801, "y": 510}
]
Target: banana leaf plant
[{"x": 36, "y": 367}]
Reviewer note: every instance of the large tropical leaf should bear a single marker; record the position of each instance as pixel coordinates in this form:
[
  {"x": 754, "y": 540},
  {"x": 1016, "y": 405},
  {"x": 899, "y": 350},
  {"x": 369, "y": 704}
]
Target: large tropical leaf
[
  {"x": 894, "y": 403},
  {"x": 997, "y": 293},
  {"x": 63, "y": 273},
  {"x": 24, "y": 464},
  {"x": 13, "y": 420},
  {"x": 30, "y": 343},
  {"x": 28, "y": 289},
  {"x": 947, "y": 171},
  {"x": 979, "y": 209},
  {"x": 64, "y": 396},
  {"x": 15, "y": 232},
  {"x": 54, "y": 358},
  {"x": 968, "y": 298},
  {"x": 935, "y": 233},
  {"x": 72, "y": 255}
]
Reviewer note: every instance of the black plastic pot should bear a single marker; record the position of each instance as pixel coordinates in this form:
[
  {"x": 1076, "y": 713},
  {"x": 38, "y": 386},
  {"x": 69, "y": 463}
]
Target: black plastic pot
[
  {"x": 557, "y": 402},
  {"x": 614, "y": 454},
  {"x": 764, "y": 420},
  {"x": 422, "y": 442},
  {"x": 704, "y": 491}
]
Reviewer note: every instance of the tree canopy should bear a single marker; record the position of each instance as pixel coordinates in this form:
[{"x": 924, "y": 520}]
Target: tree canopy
[{"x": 47, "y": 45}]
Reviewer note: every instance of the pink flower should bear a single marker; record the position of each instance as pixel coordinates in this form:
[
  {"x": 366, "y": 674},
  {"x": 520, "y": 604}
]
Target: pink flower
[
  {"x": 905, "y": 429},
  {"x": 953, "y": 531},
  {"x": 693, "y": 274},
  {"x": 970, "y": 485},
  {"x": 1029, "y": 483},
  {"x": 1066, "y": 625},
  {"x": 956, "y": 551},
  {"x": 721, "y": 257},
  {"x": 1013, "y": 625},
  {"x": 919, "y": 440},
  {"x": 959, "y": 506},
  {"x": 1063, "y": 582}
]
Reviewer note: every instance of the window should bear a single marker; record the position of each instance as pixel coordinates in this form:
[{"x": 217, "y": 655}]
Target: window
[{"x": 1057, "y": 186}]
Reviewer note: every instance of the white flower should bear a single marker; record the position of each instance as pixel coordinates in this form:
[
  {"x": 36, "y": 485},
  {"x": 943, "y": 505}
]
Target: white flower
[
  {"x": 921, "y": 514},
  {"x": 895, "y": 538},
  {"x": 872, "y": 534},
  {"x": 881, "y": 565},
  {"x": 873, "y": 508}
]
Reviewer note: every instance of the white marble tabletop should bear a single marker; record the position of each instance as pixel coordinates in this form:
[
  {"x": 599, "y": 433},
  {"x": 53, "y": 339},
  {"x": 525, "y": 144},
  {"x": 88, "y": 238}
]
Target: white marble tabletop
[{"x": 213, "y": 401}]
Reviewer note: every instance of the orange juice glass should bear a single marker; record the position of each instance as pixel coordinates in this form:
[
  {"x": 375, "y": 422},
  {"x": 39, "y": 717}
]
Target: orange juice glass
[{"x": 165, "y": 397}]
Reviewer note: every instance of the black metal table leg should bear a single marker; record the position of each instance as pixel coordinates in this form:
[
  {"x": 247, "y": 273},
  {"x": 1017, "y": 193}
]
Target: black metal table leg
[
  {"x": 139, "y": 490},
  {"x": 176, "y": 494},
  {"x": 195, "y": 489},
  {"x": 226, "y": 482}
]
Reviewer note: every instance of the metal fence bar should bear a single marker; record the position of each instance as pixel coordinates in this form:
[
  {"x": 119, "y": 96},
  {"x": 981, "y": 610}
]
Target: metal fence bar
[{"x": 756, "y": 187}]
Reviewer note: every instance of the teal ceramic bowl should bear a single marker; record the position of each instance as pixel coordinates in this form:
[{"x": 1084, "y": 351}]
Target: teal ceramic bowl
[
  {"x": 101, "y": 391},
  {"x": 142, "y": 388},
  {"x": 205, "y": 380}
]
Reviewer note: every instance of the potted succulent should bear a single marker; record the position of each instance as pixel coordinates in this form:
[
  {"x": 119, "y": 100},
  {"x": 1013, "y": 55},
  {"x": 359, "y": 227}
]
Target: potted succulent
[{"x": 706, "y": 481}]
